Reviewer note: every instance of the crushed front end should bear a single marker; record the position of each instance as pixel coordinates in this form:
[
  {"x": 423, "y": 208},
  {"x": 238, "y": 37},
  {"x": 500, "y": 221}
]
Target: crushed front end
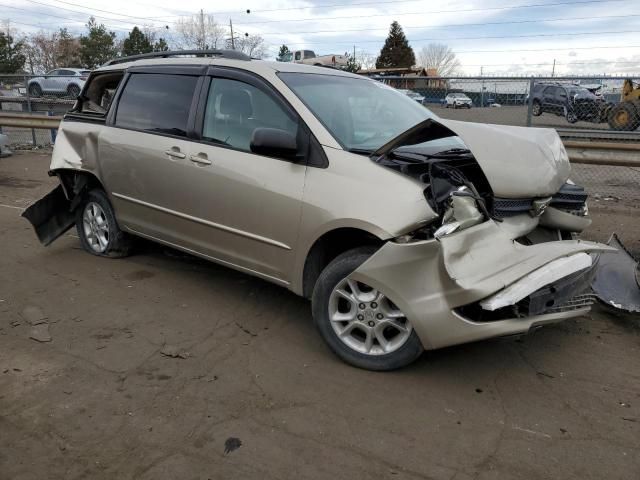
[{"x": 504, "y": 256}]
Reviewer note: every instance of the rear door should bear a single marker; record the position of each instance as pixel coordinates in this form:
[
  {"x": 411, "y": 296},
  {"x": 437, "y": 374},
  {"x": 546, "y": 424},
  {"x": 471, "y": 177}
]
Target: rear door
[
  {"x": 144, "y": 152},
  {"x": 548, "y": 99}
]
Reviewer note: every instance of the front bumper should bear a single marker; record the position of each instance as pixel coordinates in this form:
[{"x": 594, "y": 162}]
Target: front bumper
[{"x": 433, "y": 281}]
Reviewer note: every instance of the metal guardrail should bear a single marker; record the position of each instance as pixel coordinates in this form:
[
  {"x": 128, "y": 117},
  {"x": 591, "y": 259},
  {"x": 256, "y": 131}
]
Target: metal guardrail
[
  {"x": 29, "y": 120},
  {"x": 584, "y": 152}
]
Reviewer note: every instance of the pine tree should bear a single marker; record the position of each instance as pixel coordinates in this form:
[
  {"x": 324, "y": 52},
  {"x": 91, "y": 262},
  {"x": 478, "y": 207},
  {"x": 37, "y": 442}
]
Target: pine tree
[
  {"x": 98, "y": 46},
  {"x": 396, "y": 51},
  {"x": 136, "y": 43},
  {"x": 282, "y": 52},
  {"x": 160, "y": 45},
  {"x": 11, "y": 57}
]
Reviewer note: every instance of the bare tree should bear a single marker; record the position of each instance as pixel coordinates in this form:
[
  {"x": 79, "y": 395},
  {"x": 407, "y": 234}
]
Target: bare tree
[
  {"x": 252, "y": 45},
  {"x": 366, "y": 60},
  {"x": 439, "y": 57},
  {"x": 199, "y": 32},
  {"x": 46, "y": 51}
]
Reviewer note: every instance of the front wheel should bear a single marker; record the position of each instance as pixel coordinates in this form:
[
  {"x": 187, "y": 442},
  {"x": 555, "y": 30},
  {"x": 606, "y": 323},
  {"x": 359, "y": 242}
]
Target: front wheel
[
  {"x": 73, "y": 91},
  {"x": 571, "y": 116},
  {"x": 363, "y": 326},
  {"x": 536, "y": 108},
  {"x": 35, "y": 90},
  {"x": 97, "y": 227}
]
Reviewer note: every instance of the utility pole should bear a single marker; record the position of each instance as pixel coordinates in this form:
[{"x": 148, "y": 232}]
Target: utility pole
[
  {"x": 203, "y": 44},
  {"x": 482, "y": 88},
  {"x": 233, "y": 44},
  {"x": 553, "y": 70}
]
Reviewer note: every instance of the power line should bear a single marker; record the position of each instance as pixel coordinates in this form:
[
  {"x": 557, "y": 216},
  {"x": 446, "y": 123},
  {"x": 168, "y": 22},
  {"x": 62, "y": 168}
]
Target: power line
[
  {"x": 128, "y": 22},
  {"x": 445, "y": 39},
  {"x": 533, "y": 5},
  {"x": 92, "y": 8},
  {"x": 513, "y": 22}
]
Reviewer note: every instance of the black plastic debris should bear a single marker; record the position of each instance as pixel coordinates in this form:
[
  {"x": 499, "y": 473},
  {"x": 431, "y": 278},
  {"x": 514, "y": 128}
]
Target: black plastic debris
[{"x": 616, "y": 282}]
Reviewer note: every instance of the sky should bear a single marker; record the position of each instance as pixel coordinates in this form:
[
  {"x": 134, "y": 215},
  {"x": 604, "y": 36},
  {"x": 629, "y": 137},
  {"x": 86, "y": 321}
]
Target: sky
[{"x": 495, "y": 37}]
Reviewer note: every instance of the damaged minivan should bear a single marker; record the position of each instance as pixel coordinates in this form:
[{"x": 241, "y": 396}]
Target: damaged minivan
[{"x": 406, "y": 231}]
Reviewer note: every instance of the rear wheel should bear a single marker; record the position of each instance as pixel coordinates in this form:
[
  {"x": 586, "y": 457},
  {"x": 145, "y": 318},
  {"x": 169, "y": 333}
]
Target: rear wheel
[
  {"x": 97, "y": 227},
  {"x": 624, "y": 116},
  {"x": 35, "y": 90},
  {"x": 360, "y": 323}
]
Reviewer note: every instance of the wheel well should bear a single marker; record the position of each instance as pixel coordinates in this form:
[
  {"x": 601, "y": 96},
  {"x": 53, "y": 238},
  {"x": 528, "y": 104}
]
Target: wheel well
[
  {"x": 328, "y": 247},
  {"x": 76, "y": 184}
]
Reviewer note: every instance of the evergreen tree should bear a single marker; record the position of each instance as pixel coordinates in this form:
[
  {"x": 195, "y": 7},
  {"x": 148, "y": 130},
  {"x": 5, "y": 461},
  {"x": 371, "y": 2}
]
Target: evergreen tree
[
  {"x": 352, "y": 64},
  {"x": 282, "y": 52},
  {"x": 160, "y": 45},
  {"x": 136, "y": 43},
  {"x": 97, "y": 46},
  {"x": 11, "y": 57},
  {"x": 396, "y": 51}
]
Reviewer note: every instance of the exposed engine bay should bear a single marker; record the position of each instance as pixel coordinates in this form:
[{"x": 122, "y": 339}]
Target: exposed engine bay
[{"x": 458, "y": 190}]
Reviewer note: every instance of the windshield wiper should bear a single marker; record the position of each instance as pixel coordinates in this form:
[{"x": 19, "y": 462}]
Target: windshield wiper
[{"x": 361, "y": 151}]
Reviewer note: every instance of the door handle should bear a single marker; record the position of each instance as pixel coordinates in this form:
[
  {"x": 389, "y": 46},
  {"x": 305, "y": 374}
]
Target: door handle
[
  {"x": 200, "y": 159},
  {"x": 175, "y": 153}
]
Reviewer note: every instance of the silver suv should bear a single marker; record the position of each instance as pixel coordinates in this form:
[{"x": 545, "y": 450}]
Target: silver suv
[
  {"x": 406, "y": 231},
  {"x": 61, "y": 81}
]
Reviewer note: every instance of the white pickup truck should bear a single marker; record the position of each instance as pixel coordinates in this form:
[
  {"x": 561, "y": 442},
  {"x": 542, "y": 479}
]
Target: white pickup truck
[{"x": 309, "y": 57}]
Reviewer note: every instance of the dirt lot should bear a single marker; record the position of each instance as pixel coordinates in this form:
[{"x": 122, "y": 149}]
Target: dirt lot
[{"x": 102, "y": 400}]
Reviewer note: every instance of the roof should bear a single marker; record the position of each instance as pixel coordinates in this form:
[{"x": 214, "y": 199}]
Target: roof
[{"x": 256, "y": 66}]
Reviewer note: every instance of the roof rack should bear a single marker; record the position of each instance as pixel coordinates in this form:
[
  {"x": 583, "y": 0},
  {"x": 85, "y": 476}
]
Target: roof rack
[{"x": 230, "y": 54}]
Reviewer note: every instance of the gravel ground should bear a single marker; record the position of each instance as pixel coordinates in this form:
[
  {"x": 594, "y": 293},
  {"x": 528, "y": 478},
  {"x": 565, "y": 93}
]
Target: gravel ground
[{"x": 160, "y": 362}]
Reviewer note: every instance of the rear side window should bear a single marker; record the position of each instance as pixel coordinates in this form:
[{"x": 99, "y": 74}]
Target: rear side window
[{"x": 156, "y": 103}]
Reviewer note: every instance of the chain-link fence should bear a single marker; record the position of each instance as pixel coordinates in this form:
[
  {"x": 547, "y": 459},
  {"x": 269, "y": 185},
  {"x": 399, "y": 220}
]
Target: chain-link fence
[
  {"x": 608, "y": 106},
  {"x": 50, "y": 94}
]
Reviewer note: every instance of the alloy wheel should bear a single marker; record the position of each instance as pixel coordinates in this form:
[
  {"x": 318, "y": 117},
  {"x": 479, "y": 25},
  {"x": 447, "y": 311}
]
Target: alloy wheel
[
  {"x": 366, "y": 320},
  {"x": 95, "y": 227}
]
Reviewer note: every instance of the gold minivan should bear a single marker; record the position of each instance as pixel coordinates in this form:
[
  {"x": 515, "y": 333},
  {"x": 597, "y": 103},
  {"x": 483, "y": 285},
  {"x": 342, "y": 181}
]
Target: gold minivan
[{"x": 406, "y": 231}]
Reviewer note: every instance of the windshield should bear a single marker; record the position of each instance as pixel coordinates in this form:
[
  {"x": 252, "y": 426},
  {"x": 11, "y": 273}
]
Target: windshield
[
  {"x": 287, "y": 57},
  {"x": 361, "y": 114}
]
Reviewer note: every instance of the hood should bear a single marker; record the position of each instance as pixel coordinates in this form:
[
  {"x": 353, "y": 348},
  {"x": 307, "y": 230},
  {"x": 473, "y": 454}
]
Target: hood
[{"x": 519, "y": 162}]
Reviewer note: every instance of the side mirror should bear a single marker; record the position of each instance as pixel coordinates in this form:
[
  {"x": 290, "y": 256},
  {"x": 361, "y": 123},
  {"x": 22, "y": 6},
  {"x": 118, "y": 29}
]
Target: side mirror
[{"x": 273, "y": 142}]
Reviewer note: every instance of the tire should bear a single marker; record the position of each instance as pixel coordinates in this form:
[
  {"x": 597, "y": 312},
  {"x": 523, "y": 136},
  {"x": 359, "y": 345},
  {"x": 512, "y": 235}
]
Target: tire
[
  {"x": 407, "y": 347},
  {"x": 536, "y": 108},
  {"x": 624, "y": 117},
  {"x": 98, "y": 229},
  {"x": 73, "y": 90},
  {"x": 571, "y": 116},
  {"x": 35, "y": 90}
]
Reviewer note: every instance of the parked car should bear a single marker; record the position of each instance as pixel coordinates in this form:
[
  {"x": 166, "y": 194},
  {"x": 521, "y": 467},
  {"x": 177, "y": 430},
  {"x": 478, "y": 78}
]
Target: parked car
[
  {"x": 570, "y": 101},
  {"x": 308, "y": 57},
  {"x": 413, "y": 95},
  {"x": 406, "y": 231},
  {"x": 457, "y": 100},
  {"x": 61, "y": 81}
]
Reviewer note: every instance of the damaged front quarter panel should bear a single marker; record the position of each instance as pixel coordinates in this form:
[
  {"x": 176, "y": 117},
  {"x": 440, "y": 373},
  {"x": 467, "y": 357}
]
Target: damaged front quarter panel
[{"x": 428, "y": 280}]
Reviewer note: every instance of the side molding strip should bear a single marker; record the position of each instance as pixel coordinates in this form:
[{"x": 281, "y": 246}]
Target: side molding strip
[{"x": 235, "y": 231}]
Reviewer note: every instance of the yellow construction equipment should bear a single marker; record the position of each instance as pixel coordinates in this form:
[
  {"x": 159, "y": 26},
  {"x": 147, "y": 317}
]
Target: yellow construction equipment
[{"x": 626, "y": 114}]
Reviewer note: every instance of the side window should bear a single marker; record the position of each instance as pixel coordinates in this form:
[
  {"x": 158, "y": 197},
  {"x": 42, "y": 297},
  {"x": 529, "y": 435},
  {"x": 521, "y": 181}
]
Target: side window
[
  {"x": 52, "y": 73},
  {"x": 99, "y": 92},
  {"x": 156, "y": 103},
  {"x": 549, "y": 91},
  {"x": 235, "y": 109},
  {"x": 561, "y": 93},
  {"x": 298, "y": 55},
  {"x": 66, "y": 72}
]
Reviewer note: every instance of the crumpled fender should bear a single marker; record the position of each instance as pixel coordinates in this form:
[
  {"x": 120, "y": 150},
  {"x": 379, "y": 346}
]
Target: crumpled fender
[{"x": 486, "y": 258}]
